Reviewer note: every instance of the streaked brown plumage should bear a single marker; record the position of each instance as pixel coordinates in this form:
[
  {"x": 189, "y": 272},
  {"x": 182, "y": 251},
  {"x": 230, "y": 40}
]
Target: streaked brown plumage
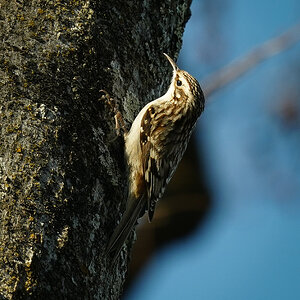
[{"x": 155, "y": 145}]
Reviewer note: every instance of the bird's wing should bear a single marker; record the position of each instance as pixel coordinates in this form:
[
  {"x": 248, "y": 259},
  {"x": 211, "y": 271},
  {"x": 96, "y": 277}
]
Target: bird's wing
[{"x": 157, "y": 165}]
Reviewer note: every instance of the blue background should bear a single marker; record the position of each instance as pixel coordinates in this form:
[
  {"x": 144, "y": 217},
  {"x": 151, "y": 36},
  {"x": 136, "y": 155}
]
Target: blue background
[{"x": 250, "y": 246}]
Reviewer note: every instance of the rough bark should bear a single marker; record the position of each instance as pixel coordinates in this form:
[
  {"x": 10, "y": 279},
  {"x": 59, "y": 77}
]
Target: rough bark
[{"x": 62, "y": 174}]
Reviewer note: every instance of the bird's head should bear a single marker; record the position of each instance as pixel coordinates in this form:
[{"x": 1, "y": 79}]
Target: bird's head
[{"x": 184, "y": 85}]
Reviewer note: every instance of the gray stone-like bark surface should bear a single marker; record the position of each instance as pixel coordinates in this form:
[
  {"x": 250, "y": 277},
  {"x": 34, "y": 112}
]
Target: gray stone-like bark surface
[{"x": 63, "y": 179}]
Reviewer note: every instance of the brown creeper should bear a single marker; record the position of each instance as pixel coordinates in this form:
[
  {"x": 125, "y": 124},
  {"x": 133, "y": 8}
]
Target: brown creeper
[{"x": 155, "y": 145}]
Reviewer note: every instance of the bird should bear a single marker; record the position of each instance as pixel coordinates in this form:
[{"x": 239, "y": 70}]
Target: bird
[{"x": 154, "y": 146}]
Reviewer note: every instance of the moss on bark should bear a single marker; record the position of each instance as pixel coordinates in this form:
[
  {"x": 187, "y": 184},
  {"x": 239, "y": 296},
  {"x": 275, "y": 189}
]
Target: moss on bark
[{"x": 62, "y": 178}]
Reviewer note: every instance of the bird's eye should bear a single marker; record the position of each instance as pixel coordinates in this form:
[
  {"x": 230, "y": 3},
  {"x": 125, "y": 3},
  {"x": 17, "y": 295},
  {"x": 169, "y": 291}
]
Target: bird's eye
[{"x": 179, "y": 83}]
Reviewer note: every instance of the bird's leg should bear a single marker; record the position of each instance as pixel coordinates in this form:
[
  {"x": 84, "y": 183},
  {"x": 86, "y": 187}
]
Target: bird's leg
[{"x": 119, "y": 121}]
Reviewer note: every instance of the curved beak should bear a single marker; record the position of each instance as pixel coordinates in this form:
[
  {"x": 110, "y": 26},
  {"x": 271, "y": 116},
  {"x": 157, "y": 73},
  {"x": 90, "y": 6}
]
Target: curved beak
[{"x": 175, "y": 68}]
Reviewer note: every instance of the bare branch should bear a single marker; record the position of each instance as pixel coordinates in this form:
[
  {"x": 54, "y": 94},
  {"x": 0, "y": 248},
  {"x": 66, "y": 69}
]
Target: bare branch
[{"x": 240, "y": 66}]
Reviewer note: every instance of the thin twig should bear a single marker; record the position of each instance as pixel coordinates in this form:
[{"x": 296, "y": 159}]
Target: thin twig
[{"x": 240, "y": 66}]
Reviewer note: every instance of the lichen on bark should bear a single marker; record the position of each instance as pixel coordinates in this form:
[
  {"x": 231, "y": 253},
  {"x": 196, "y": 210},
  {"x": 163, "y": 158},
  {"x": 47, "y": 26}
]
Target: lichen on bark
[{"x": 62, "y": 173}]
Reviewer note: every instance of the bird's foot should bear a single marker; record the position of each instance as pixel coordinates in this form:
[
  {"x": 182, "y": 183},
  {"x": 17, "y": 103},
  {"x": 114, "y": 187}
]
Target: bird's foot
[{"x": 112, "y": 103}]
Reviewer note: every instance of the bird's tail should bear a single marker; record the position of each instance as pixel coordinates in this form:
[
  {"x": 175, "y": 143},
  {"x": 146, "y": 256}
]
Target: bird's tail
[{"x": 122, "y": 231}]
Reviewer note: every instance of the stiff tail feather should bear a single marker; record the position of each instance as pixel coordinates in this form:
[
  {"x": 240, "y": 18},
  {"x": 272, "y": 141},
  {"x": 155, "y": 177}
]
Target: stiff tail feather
[{"x": 124, "y": 228}]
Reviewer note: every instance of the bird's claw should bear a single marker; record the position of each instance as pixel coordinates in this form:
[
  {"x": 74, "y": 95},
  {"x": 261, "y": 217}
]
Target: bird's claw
[{"x": 119, "y": 121}]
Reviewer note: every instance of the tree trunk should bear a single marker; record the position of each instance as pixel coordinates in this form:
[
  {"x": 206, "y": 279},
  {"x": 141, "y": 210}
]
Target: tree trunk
[{"x": 63, "y": 178}]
